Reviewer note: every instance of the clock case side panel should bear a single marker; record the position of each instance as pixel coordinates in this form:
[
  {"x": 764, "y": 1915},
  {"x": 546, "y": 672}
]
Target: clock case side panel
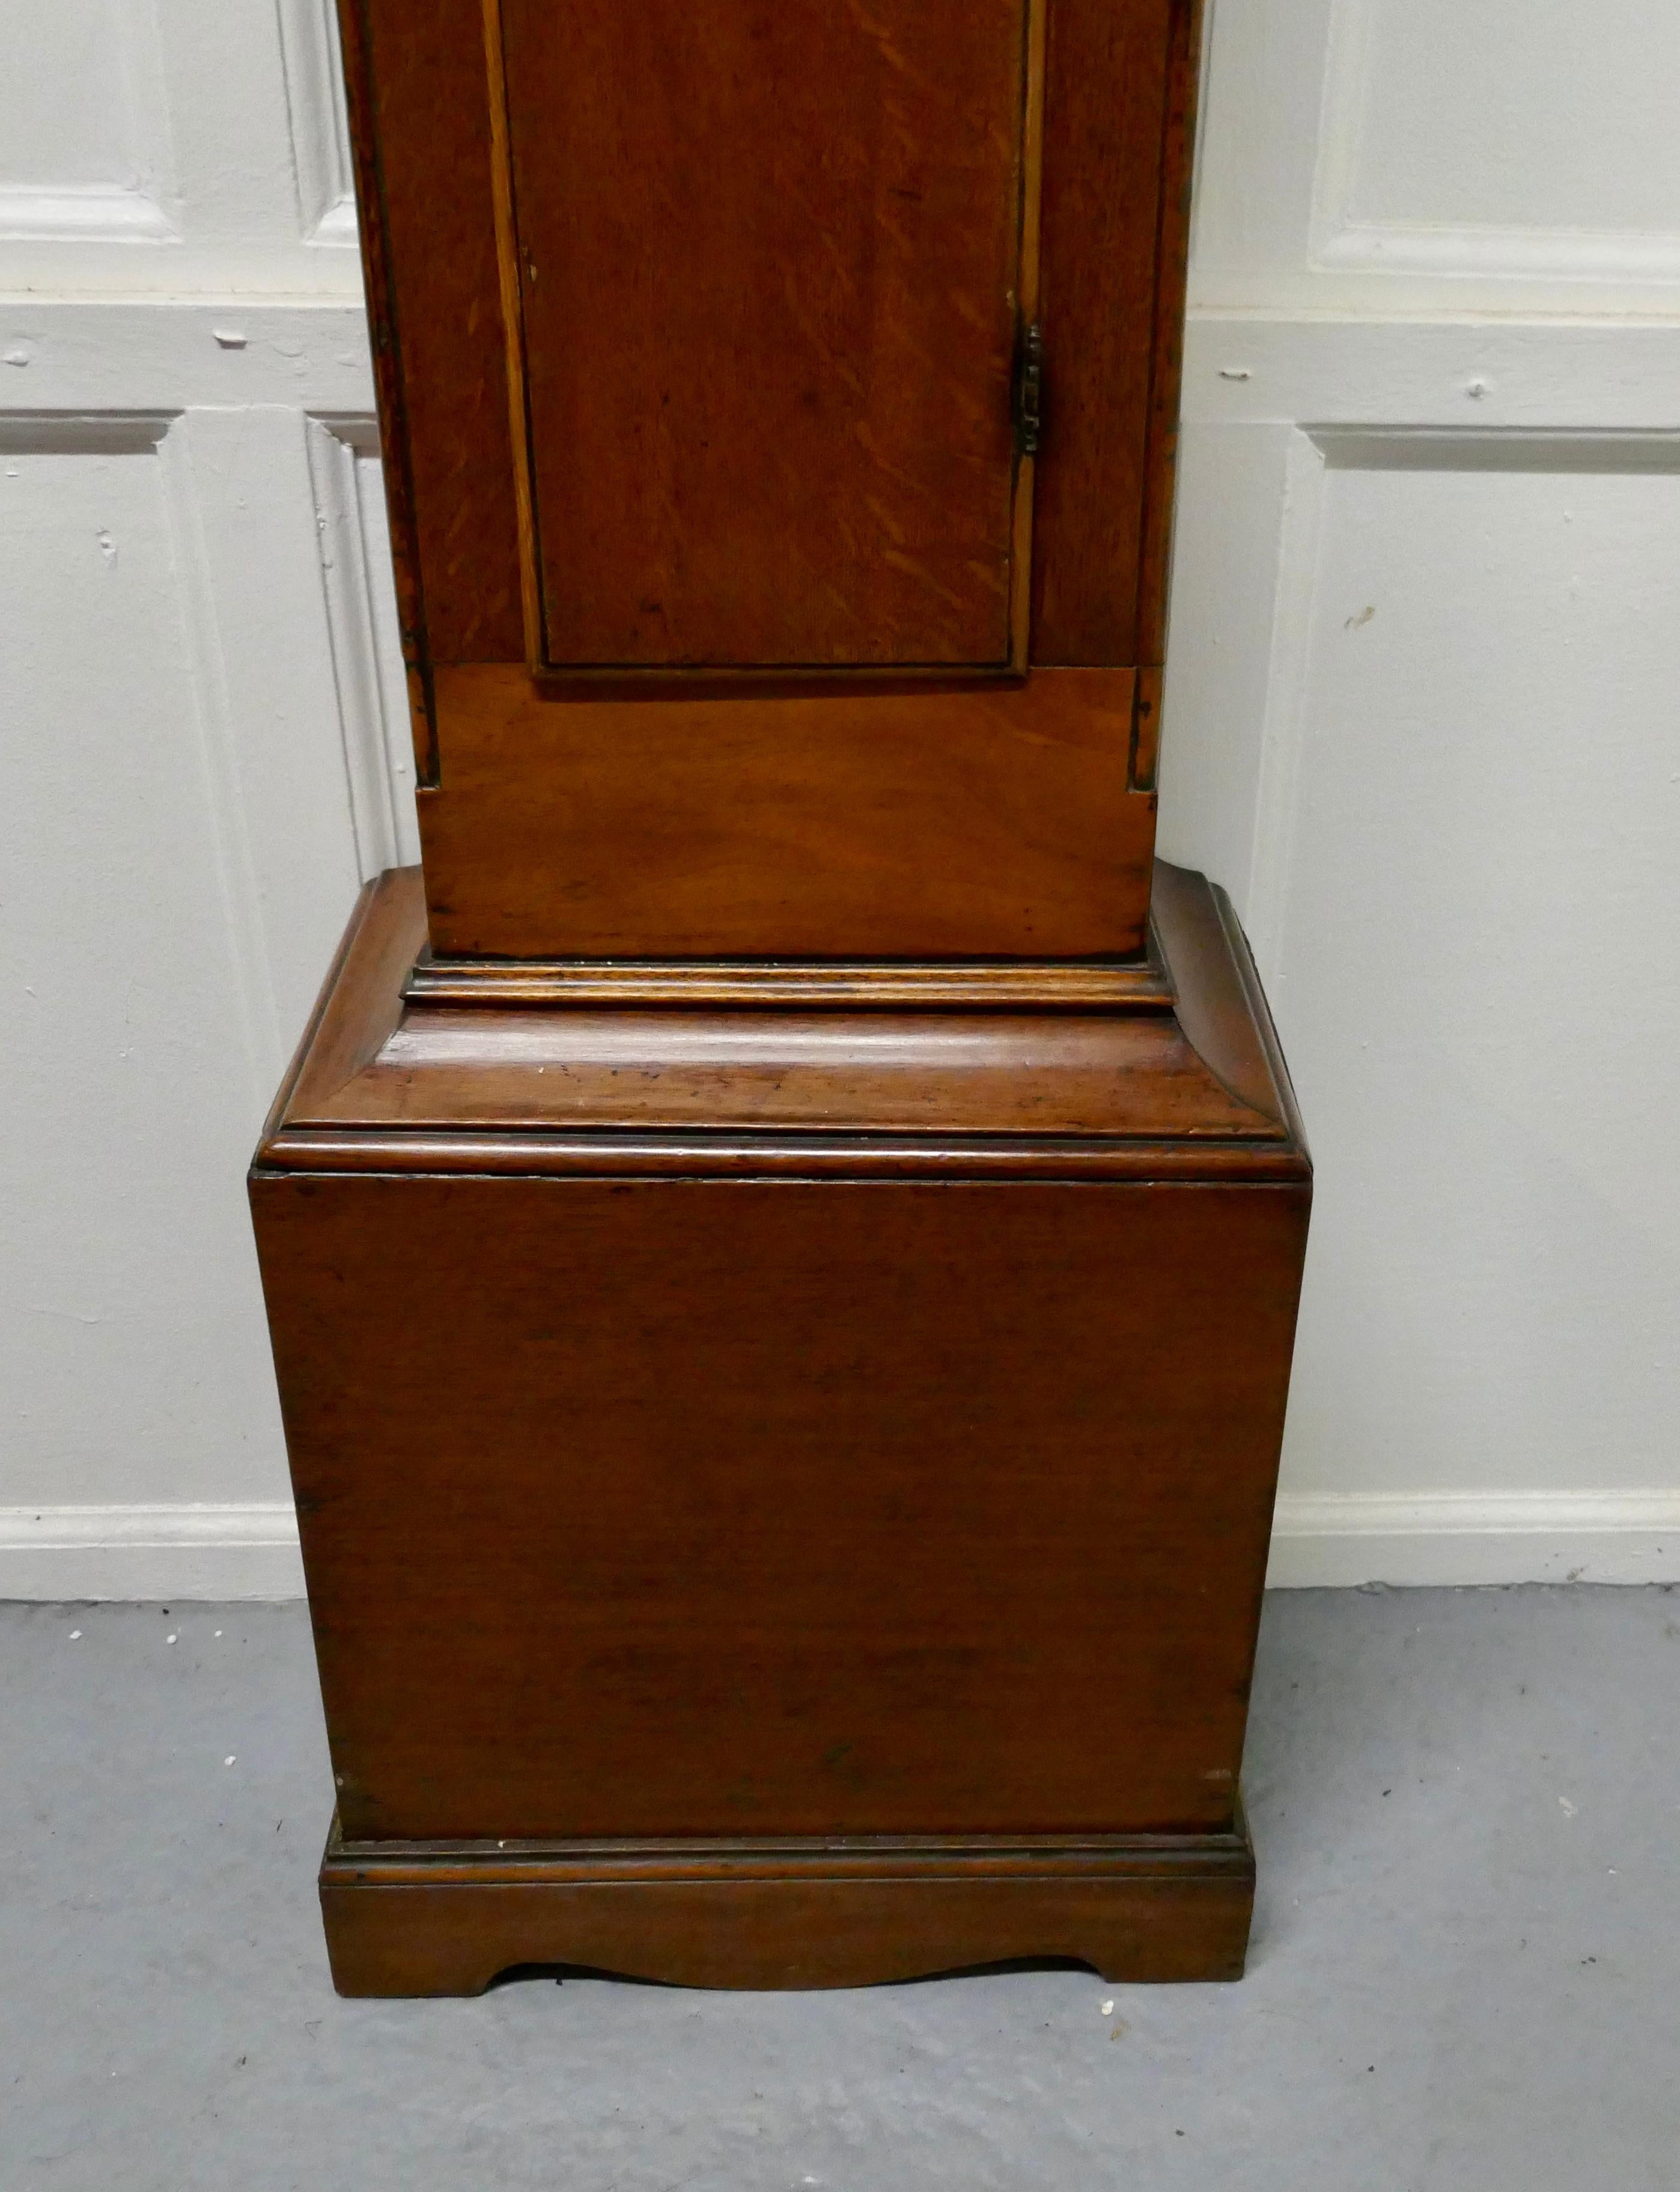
[
  {"x": 420, "y": 135},
  {"x": 1118, "y": 136}
]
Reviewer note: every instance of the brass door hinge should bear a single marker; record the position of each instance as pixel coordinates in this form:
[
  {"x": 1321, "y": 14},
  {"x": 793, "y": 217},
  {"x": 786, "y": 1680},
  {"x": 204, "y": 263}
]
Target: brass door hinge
[{"x": 1029, "y": 390}]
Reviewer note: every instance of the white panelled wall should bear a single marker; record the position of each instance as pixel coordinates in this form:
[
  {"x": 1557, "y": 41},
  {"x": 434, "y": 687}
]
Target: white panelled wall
[{"x": 1423, "y": 719}]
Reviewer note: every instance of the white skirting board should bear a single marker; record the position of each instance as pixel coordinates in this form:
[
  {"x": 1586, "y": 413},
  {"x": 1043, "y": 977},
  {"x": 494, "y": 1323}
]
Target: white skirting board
[
  {"x": 160, "y": 1552},
  {"x": 1339, "y": 1539},
  {"x": 1351, "y": 1538}
]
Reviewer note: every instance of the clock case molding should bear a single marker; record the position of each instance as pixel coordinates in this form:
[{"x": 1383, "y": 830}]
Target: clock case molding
[{"x": 782, "y": 1241}]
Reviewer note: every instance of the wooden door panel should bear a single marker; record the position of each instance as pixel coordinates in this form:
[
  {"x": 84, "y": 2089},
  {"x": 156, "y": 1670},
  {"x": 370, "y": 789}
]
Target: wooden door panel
[{"x": 768, "y": 262}]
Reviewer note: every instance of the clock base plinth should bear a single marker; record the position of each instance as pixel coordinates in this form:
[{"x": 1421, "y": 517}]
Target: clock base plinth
[
  {"x": 438, "y": 1920},
  {"x": 785, "y": 1489}
]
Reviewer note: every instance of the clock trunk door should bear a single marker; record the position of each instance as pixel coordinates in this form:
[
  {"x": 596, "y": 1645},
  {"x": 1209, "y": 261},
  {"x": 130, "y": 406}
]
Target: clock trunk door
[{"x": 770, "y": 263}]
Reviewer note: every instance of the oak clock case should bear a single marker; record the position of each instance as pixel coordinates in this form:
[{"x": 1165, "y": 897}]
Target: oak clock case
[{"x": 782, "y": 1239}]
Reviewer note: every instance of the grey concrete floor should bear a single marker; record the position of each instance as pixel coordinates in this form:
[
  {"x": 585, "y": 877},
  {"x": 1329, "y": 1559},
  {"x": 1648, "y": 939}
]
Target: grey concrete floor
[{"x": 1465, "y": 1971}]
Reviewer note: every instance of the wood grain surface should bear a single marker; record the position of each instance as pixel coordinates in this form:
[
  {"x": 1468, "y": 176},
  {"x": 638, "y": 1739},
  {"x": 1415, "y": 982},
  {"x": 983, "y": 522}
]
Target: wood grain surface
[
  {"x": 442, "y": 1920},
  {"x": 420, "y": 118},
  {"x": 784, "y": 1419},
  {"x": 942, "y": 1074},
  {"x": 993, "y": 822},
  {"x": 791, "y": 1478},
  {"x": 769, "y": 263},
  {"x": 1183, "y": 1078},
  {"x": 1166, "y": 370},
  {"x": 769, "y": 428},
  {"x": 1103, "y": 140},
  {"x": 1116, "y": 152},
  {"x": 668, "y": 1508},
  {"x": 810, "y": 985}
]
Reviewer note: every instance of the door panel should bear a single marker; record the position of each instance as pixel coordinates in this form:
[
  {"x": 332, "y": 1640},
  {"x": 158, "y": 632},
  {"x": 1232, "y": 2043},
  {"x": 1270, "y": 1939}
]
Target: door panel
[{"x": 768, "y": 264}]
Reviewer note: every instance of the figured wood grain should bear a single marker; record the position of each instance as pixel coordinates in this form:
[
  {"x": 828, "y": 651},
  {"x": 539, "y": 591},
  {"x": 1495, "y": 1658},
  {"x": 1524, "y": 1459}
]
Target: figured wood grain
[
  {"x": 420, "y": 121},
  {"x": 769, "y": 262},
  {"x": 990, "y": 821}
]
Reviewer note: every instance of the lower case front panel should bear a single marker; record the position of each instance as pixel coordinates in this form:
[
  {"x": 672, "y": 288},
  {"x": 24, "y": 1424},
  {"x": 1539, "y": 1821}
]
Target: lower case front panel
[{"x": 678, "y": 1509}]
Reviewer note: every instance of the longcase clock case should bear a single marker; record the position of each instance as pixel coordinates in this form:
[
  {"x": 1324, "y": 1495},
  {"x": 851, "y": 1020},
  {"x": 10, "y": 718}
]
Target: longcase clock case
[{"x": 782, "y": 1238}]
